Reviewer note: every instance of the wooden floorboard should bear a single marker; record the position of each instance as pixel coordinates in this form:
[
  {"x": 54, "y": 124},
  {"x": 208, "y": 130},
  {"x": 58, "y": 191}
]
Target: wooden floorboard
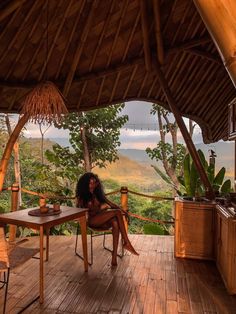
[{"x": 153, "y": 282}]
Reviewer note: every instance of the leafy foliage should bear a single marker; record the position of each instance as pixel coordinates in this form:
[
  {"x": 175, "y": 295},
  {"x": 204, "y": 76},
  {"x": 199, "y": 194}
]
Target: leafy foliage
[
  {"x": 191, "y": 180},
  {"x": 102, "y": 130}
]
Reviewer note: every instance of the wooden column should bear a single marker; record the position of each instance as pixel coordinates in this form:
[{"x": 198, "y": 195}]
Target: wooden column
[
  {"x": 8, "y": 150},
  {"x": 220, "y": 19},
  {"x": 14, "y": 207},
  {"x": 191, "y": 148},
  {"x": 124, "y": 201}
]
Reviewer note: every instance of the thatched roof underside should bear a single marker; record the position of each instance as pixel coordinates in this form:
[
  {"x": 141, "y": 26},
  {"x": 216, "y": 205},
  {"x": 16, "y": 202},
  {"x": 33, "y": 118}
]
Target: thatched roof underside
[{"x": 94, "y": 52}]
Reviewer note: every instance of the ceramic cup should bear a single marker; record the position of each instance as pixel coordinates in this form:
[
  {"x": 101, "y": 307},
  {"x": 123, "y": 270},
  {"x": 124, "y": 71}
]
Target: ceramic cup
[
  {"x": 42, "y": 206},
  {"x": 56, "y": 207}
]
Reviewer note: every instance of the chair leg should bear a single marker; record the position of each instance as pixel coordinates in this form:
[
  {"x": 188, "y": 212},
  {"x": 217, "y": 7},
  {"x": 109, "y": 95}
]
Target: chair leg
[
  {"x": 108, "y": 249},
  {"x": 91, "y": 248},
  {"x": 6, "y": 281}
]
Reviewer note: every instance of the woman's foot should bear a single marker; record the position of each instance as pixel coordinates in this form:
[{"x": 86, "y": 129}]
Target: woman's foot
[{"x": 130, "y": 248}]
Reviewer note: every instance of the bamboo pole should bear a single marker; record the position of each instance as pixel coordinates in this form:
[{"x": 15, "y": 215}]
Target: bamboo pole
[
  {"x": 8, "y": 150},
  {"x": 220, "y": 19},
  {"x": 146, "y": 44},
  {"x": 159, "y": 41},
  {"x": 14, "y": 207},
  {"x": 124, "y": 202},
  {"x": 191, "y": 148}
]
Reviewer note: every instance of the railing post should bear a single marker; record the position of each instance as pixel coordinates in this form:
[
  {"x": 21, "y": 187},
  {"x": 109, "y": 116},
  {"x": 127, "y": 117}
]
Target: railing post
[
  {"x": 14, "y": 207},
  {"x": 124, "y": 201}
]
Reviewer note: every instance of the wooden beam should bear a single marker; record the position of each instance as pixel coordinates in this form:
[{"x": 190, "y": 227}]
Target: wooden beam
[
  {"x": 220, "y": 20},
  {"x": 159, "y": 40},
  {"x": 188, "y": 44},
  {"x": 146, "y": 44},
  {"x": 79, "y": 49},
  {"x": 184, "y": 131},
  {"x": 85, "y": 77},
  {"x": 12, "y": 6},
  {"x": 205, "y": 55}
]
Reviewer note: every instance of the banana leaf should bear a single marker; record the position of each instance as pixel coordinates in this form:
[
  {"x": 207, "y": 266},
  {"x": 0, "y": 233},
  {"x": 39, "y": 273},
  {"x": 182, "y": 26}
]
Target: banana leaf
[
  {"x": 219, "y": 177},
  {"x": 226, "y": 187},
  {"x": 165, "y": 177}
]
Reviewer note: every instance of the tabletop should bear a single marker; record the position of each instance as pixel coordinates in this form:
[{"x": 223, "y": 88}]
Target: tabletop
[{"x": 21, "y": 217}]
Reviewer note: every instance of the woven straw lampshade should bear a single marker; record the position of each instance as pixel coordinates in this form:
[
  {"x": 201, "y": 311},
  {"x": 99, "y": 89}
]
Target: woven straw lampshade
[{"x": 44, "y": 104}]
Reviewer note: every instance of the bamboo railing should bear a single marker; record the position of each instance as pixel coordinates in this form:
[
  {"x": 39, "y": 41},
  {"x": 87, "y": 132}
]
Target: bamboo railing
[{"x": 124, "y": 199}]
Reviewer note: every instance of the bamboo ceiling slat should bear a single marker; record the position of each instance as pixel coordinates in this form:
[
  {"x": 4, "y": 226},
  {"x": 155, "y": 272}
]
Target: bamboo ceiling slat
[
  {"x": 188, "y": 78},
  {"x": 97, "y": 53},
  {"x": 11, "y": 7},
  {"x": 73, "y": 30},
  {"x": 6, "y": 28},
  {"x": 18, "y": 32},
  {"x": 106, "y": 23},
  {"x": 39, "y": 47},
  {"x": 143, "y": 84},
  {"x": 203, "y": 81},
  {"x": 131, "y": 36},
  {"x": 130, "y": 81},
  {"x": 51, "y": 47},
  {"x": 27, "y": 38},
  {"x": 123, "y": 12},
  {"x": 183, "y": 17},
  {"x": 152, "y": 87},
  {"x": 114, "y": 86},
  {"x": 79, "y": 49}
]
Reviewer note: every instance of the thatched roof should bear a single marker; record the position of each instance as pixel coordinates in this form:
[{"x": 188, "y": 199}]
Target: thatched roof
[{"x": 94, "y": 51}]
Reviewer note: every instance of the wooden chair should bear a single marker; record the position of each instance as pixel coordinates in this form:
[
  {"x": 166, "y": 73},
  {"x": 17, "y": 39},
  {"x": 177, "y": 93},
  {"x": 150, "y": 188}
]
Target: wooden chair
[
  {"x": 12, "y": 256},
  {"x": 95, "y": 232}
]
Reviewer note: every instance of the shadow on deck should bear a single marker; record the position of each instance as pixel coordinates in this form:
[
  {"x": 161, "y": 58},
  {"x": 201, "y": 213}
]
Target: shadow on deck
[{"x": 154, "y": 282}]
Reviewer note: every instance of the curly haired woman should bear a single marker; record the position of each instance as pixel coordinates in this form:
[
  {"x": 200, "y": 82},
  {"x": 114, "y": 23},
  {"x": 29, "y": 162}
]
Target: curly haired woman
[{"x": 102, "y": 213}]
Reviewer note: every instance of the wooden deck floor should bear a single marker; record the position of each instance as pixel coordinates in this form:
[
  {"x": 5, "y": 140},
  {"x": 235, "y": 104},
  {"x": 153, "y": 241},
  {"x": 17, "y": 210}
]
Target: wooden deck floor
[{"x": 154, "y": 282}]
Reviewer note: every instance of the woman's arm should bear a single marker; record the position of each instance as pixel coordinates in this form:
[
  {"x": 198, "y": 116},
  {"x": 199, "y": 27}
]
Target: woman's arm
[{"x": 111, "y": 204}]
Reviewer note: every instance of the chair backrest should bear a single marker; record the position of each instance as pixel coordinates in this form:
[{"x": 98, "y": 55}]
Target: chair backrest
[{"x": 4, "y": 257}]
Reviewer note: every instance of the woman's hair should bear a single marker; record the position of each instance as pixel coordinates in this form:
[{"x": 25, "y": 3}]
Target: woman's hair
[{"x": 82, "y": 189}]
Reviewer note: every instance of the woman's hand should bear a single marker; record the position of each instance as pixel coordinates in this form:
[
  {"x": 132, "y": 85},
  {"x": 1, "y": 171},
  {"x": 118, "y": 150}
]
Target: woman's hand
[{"x": 105, "y": 206}]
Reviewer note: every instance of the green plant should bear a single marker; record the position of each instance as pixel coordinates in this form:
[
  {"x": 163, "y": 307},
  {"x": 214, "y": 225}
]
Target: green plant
[{"x": 191, "y": 181}]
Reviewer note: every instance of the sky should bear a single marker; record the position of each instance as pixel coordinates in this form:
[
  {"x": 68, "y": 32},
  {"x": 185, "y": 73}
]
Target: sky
[{"x": 139, "y": 132}]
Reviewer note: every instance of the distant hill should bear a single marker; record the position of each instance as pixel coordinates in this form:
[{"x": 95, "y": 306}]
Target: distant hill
[
  {"x": 128, "y": 172},
  {"x": 134, "y": 164},
  {"x": 223, "y": 150}
]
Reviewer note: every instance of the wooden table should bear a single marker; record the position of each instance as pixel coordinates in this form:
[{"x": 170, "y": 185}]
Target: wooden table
[{"x": 22, "y": 218}]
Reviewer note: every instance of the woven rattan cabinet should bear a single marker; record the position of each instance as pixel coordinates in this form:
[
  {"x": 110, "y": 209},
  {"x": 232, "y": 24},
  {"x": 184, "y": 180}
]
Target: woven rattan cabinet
[
  {"x": 226, "y": 247},
  {"x": 194, "y": 229}
]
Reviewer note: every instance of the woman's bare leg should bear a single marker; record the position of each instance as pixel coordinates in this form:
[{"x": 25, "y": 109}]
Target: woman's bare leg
[
  {"x": 115, "y": 234},
  {"x": 106, "y": 216}
]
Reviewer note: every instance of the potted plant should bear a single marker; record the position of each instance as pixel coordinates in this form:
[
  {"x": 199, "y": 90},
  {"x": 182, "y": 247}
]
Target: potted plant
[{"x": 194, "y": 214}]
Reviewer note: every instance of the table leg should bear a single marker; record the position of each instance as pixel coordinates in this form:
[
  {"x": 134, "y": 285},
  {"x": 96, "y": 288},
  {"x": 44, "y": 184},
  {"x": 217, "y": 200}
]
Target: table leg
[
  {"x": 83, "y": 228},
  {"x": 47, "y": 243},
  {"x": 41, "y": 275}
]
